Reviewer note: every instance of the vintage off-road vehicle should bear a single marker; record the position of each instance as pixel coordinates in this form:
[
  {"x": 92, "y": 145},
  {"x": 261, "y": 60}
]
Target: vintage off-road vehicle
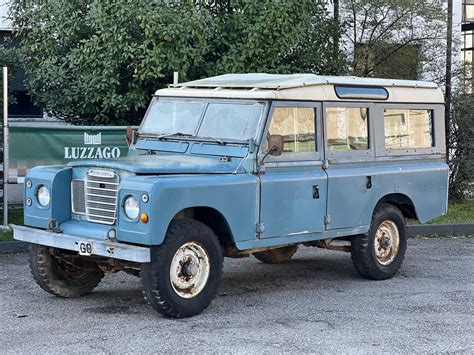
[{"x": 236, "y": 165}]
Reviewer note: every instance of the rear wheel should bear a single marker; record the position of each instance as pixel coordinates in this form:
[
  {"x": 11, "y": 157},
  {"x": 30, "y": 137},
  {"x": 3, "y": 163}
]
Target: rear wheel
[
  {"x": 277, "y": 256},
  {"x": 184, "y": 273},
  {"x": 60, "y": 278},
  {"x": 379, "y": 254}
]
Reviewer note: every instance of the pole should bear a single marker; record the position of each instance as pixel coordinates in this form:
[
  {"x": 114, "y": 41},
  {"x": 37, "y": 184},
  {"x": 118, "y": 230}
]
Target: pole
[
  {"x": 449, "y": 49},
  {"x": 175, "y": 78},
  {"x": 336, "y": 34},
  {"x": 5, "y": 147}
]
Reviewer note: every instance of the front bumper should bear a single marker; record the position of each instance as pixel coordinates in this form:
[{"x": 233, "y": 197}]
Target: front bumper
[{"x": 105, "y": 248}]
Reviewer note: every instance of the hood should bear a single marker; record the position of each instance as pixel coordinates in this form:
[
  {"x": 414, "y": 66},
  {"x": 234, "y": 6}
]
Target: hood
[{"x": 165, "y": 164}]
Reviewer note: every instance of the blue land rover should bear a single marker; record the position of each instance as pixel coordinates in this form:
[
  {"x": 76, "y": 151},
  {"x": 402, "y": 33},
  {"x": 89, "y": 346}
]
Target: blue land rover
[{"x": 239, "y": 165}]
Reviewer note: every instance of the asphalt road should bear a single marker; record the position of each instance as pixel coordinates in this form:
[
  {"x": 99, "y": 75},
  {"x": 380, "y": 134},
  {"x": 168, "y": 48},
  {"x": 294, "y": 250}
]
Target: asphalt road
[{"x": 315, "y": 303}]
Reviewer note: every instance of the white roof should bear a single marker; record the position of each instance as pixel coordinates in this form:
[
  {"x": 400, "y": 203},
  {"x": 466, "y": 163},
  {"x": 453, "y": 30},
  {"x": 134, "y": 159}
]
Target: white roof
[
  {"x": 288, "y": 81},
  {"x": 300, "y": 87}
]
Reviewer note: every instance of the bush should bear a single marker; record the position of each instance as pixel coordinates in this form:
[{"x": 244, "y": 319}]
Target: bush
[{"x": 461, "y": 150}]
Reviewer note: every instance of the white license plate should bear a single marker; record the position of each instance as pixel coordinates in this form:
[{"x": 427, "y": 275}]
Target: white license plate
[{"x": 85, "y": 248}]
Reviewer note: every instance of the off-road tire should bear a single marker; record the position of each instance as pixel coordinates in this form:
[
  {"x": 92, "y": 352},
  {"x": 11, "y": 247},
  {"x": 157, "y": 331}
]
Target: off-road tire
[
  {"x": 362, "y": 246},
  {"x": 157, "y": 287},
  {"x": 50, "y": 274},
  {"x": 276, "y": 256}
]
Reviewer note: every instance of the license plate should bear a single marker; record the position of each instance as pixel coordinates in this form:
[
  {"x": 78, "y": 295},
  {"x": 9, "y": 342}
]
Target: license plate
[{"x": 85, "y": 248}]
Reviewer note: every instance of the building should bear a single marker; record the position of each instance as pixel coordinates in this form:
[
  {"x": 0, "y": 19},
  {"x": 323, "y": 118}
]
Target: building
[{"x": 467, "y": 36}]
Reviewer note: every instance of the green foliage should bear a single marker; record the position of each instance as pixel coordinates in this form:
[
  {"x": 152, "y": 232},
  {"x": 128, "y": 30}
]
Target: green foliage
[
  {"x": 8, "y": 58},
  {"x": 461, "y": 150},
  {"x": 98, "y": 62}
]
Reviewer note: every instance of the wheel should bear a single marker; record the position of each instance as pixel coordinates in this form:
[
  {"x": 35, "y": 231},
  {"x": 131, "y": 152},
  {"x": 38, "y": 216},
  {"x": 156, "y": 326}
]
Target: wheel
[
  {"x": 62, "y": 279},
  {"x": 276, "y": 256},
  {"x": 184, "y": 273},
  {"x": 379, "y": 254}
]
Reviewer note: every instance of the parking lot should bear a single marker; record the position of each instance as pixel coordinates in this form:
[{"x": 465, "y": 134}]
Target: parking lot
[{"x": 314, "y": 303}]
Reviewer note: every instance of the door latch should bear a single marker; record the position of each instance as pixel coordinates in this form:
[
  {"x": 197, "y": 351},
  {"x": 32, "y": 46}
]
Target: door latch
[{"x": 315, "y": 192}]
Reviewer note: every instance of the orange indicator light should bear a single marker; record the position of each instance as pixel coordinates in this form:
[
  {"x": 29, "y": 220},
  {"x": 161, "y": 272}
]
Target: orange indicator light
[{"x": 144, "y": 218}]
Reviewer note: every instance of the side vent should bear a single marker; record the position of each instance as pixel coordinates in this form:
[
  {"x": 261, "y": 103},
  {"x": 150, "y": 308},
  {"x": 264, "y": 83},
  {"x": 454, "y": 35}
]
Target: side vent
[{"x": 78, "y": 197}]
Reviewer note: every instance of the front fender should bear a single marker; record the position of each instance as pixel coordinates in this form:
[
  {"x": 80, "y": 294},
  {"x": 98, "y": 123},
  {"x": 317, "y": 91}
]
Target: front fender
[{"x": 234, "y": 196}]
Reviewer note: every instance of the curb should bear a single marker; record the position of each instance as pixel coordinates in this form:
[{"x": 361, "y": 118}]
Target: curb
[
  {"x": 413, "y": 230},
  {"x": 439, "y": 230}
]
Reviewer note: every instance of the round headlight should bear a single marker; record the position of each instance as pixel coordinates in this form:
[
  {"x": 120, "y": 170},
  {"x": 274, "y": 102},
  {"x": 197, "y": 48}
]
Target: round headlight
[
  {"x": 131, "y": 207},
  {"x": 43, "y": 196}
]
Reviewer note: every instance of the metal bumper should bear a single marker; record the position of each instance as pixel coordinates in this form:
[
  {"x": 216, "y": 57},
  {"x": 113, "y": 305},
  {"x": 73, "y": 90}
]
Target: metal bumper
[{"x": 105, "y": 248}]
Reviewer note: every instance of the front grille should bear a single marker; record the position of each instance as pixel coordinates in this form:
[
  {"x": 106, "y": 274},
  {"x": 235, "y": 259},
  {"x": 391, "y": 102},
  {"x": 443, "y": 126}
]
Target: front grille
[{"x": 101, "y": 191}]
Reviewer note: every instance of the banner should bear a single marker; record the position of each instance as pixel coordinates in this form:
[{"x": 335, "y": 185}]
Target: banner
[{"x": 32, "y": 145}]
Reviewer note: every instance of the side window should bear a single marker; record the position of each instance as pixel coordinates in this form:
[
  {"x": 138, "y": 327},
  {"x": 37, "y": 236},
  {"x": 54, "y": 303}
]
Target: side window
[
  {"x": 297, "y": 125},
  {"x": 410, "y": 128},
  {"x": 348, "y": 128}
]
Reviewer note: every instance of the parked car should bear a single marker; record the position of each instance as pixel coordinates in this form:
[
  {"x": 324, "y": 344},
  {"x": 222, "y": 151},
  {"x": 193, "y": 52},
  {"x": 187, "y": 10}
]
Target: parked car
[{"x": 239, "y": 165}]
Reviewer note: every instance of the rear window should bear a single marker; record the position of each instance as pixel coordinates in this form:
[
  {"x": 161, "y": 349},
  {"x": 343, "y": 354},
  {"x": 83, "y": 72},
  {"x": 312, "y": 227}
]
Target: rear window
[{"x": 408, "y": 128}]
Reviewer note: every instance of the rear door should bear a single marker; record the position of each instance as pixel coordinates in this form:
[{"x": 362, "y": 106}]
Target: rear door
[{"x": 294, "y": 184}]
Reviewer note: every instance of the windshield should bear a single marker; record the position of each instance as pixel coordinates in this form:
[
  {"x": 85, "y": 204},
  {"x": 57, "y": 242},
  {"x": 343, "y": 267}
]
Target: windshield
[{"x": 202, "y": 118}]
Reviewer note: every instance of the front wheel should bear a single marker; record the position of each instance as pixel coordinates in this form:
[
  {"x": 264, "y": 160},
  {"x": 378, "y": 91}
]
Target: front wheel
[
  {"x": 61, "y": 278},
  {"x": 184, "y": 273},
  {"x": 379, "y": 254}
]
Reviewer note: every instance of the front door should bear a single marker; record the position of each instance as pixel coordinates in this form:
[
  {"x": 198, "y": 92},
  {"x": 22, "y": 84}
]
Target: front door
[
  {"x": 351, "y": 173},
  {"x": 294, "y": 185}
]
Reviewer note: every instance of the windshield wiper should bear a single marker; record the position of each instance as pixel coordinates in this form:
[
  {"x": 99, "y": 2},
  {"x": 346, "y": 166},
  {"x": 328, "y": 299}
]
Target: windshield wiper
[
  {"x": 219, "y": 141},
  {"x": 171, "y": 135},
  {"x": 179, "y": 134}
]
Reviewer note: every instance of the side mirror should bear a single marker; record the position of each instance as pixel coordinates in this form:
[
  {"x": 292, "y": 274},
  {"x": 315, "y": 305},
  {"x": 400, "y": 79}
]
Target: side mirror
[
  {"x": 275, "y": 144},
  {"x": 132, "y": 135}
]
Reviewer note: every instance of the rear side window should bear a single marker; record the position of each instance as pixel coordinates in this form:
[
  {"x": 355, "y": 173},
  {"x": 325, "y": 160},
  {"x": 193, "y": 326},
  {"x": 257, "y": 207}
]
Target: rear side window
[
  {"x": 408, "y": 128},
  {"x": 347, "y": 128},
  {"x": 297, "y": 126}
]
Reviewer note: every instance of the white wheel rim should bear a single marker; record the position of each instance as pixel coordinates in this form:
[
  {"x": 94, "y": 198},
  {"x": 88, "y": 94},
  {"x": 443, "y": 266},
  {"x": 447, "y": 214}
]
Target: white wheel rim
[
  {"x": 386, "y": 242},
  {"x": 189, "y": 271}
]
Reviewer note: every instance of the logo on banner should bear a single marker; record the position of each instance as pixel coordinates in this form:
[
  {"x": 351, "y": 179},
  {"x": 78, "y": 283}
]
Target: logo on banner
[
  {"x": 92, "y": 138},
  {"x": 92, "y": 152}
]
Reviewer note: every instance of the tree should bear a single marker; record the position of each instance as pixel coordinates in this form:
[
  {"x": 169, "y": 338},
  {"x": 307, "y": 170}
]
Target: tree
[
  {"x": 388, "y": 37},
  {"x": 460, "y": 138},
  {"x": 98, "y": 62},
  {"x": 8, "y": 58}
]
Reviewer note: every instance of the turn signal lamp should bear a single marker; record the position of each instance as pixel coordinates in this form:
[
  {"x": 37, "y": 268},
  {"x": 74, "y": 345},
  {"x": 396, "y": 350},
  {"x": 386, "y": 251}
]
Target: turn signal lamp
[{"x": 144, "y": 218}]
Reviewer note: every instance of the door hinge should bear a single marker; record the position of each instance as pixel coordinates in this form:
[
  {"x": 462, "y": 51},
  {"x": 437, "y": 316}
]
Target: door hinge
[
  {"x": 260, "y": 228},
  {"x": 327, "y": 220}
]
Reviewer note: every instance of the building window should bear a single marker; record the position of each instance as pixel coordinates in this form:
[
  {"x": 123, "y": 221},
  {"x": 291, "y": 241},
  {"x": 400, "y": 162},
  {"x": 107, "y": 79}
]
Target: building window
[
  {"x": 468, "y": 11},
  {"x": 297, "y": 125},
  {"x": 347, "y": 128},
  {"x": 408, "y": 128}
]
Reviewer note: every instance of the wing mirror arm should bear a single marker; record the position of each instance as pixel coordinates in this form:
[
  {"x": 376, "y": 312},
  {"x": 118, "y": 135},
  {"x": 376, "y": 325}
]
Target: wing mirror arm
[{"x": 269, "y": 151}]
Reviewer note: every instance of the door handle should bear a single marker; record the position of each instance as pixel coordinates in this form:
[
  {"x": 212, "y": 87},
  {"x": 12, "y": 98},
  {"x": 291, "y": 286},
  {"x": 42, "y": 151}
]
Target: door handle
[
  {"x": 368, "y": 182},
  {"x": 315, "y": 192}
]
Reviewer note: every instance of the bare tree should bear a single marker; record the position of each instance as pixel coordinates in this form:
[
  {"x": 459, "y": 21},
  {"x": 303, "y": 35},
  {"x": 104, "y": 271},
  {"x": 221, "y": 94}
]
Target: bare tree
[{"x": 380, "y": 30}]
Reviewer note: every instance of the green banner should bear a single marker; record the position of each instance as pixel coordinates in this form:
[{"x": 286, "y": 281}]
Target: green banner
[{"x": 32, "y": 145}]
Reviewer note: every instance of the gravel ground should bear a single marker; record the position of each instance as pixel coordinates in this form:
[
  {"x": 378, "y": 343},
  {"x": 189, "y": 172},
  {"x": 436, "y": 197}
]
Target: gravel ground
[{"x": 314, "y": 303}]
